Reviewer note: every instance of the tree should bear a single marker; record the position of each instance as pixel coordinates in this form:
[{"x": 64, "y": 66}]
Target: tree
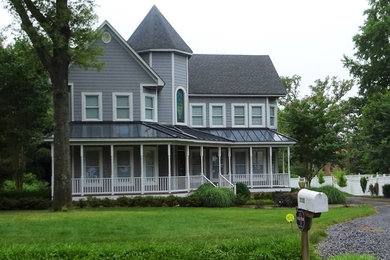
[
  {"x": 24, "y": 104},
  {"x": 375, "y": 133},
  {"x": 60, "y": 32},
  {"x": 371, "y": 66},
  {"x": 317, "y": 122}
]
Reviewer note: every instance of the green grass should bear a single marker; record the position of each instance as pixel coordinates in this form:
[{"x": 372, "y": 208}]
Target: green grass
[{"x": 160, "y": 233}]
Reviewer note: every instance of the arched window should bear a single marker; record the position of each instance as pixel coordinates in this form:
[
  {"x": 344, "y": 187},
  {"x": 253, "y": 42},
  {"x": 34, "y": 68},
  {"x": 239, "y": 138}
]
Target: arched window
[{"x": 180, "y": 113}]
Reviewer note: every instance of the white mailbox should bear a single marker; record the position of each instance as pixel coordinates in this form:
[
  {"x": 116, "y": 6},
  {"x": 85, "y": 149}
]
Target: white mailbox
[{"x": 312, "y": 201}]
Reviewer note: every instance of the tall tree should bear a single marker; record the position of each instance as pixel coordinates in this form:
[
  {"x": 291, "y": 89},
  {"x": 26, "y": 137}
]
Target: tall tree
[
  {"x": 24, "y": 105},
  {"x": 317, "y": 123},
  {"x": 371, "y": 66},
  {"x": 59, "y": 32},
  {"x": 375, "y": 134}
]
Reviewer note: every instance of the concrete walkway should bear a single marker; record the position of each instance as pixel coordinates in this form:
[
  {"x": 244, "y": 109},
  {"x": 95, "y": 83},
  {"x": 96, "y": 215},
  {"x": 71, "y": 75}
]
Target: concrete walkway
[{"x": 369, "y": 235}]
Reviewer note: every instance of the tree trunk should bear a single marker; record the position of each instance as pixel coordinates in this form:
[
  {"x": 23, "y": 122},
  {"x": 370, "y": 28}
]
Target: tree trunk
[{"x": 62, "y": 199}]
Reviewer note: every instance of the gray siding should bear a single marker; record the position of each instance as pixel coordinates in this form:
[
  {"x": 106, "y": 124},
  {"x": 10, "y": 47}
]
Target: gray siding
[
  {"x": 121, "y": 73},
  {"x": 228, "y": 101},
  {"x": 181, "y": 72},
  {"x": 162, "y": 65}
]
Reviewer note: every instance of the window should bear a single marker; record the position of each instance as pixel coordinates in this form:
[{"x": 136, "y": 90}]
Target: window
[
  {"x": 198, "y": 117},
  {"x": 122, "y": 106},
  {"x": 239, "y": 162},
  {"x": 258, "y": 161},
  {"x": 239, "y": 118},
  {"x": 124, "y": 162},
  {"x": 180, "y": 106},
  {"x": 91, "y": 104},
  {"x": 272, "y": 116},
  {"x": 217, "y": 115},
  {"x": 150, "y": 107},
  {"x": 93, "y": 163},
  {"x": 150, "y": 162},
  {"x": 256, "y": 117},
  {"x": 195, "y": 163}
]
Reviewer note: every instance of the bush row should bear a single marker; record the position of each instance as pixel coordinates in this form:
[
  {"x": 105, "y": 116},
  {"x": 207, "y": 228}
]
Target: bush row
[
  {"x": 138, "y": 201},
  {"x": 14, "y": 200},
  {"x": 386, "y": 190}
]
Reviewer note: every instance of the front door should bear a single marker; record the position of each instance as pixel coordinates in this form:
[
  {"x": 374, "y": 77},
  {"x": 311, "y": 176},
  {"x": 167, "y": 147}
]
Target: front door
[{"x": 214, "y": 164}]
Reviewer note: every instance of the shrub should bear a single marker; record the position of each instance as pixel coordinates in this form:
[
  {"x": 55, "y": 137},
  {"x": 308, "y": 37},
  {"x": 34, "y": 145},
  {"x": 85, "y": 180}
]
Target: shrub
[
  {"x": 341, "y": 180},
  {"x": 334, "y": 195},
  {"x": 30, "y": 183},
  {"x": 386, "y": 190},
  {"x": 374, "y": 189},
  {"x": 285, "y": 199},
  {"x": 363, "y": 184},
  {"x": 211, "y": 196},
  {"x": 12, "y": 200},
  {"x": 243, "y": 191},
  {"x": 263, "y": 196},
  {"x": 320, "y": 176}
]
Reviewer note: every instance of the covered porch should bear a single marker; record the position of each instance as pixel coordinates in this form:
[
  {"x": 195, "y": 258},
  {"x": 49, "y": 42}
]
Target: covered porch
[{"x": 172, "y": 160}]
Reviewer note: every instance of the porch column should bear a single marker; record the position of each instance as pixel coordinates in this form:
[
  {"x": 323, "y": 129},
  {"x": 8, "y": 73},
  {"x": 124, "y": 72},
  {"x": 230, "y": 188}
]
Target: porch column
[
  {"x": 288, "y": 166},
  {"x": 230, "y": 163},
  {"x": 169, "y": 168},
  {"x": 141, "y": 151},
  {"x": 112, "y": 168},
  {"x": 82, "y": 169},
  {"x": 284, "y": 170},
  {"x": 251, "y": 165},
  {"x": 52, "y": 170},
  {"x": 188, "y": 166},
  {"x": 270, "y": 167},
  {"x": 219, "y": 164},
  {"x": 201, "y": 163}
]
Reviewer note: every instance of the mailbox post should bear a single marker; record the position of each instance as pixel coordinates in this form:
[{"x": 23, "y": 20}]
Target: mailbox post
[{"x": 310, "y": 205}]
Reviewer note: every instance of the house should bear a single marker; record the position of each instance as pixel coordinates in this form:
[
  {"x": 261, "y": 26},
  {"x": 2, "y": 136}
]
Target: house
[{"x": 159, "y": 119}]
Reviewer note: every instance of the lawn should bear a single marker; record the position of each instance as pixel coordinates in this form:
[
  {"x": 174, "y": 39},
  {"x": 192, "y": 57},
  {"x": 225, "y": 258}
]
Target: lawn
[{"x": 160, "y": 233}]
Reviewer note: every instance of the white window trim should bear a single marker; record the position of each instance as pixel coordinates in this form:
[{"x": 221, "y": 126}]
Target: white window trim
[
  {"x": 146, "y": 148},
  {"x": 245, "y": 114},
  {"x": 203, "y": 105},
  {"x": 262, "y": 115},
  {"x": 185, "y": 106},
  {"x": 223, "y": 114},
  {"x": 114, "y": 106},
  {"x": 83, "y": 105},
  {"x": 247, "y": 166},
  {"x": 276, "y": 116},
  {"x": 154, "y": 96},
  {"x": 130, "y": 149},
  {"x": 100, "y": 150}
]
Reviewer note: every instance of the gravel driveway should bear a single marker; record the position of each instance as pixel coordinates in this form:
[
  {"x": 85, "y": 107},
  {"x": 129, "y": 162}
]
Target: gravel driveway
[{"x": 369, "y": 235}]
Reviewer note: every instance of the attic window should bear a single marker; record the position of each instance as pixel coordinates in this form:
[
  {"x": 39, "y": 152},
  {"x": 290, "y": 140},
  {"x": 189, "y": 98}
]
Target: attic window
[{"x": 106, "y": 37}]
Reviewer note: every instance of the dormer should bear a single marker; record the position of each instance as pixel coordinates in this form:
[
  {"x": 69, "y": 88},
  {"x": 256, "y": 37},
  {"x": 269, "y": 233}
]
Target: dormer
[{"x": 158, "y": 43}]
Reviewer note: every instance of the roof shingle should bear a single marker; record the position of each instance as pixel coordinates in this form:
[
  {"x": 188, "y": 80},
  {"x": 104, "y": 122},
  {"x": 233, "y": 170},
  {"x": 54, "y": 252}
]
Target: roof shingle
[
  {"x": 156, "y": 33},
  {"x": 234, "y": 74}
]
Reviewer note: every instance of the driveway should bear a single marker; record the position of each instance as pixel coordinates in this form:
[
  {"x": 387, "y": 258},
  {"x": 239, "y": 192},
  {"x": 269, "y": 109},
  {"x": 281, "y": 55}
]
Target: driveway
[{"x": 369, "y": 235}]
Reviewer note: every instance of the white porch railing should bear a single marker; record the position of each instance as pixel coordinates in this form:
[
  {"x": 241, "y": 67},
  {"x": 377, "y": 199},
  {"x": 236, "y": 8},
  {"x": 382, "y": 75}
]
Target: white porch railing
[
  {"x": 223, "y": 182},
  {"x": 133, "y": 185},
  {"x": 262, "y": 180}
]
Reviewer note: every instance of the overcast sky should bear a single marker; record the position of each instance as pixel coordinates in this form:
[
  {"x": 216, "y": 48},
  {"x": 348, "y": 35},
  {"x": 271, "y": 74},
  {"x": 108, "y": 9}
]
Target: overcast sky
[{"x": 303, "y": 37}]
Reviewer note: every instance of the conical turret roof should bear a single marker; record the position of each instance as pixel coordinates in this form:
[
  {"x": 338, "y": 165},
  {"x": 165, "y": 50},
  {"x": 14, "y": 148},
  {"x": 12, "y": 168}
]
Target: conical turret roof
[{"x": 156, "y": 33}]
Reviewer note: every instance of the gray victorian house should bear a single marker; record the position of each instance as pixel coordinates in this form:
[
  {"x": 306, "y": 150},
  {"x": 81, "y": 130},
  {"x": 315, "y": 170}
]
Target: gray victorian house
[{"x": 159, "y": 119}]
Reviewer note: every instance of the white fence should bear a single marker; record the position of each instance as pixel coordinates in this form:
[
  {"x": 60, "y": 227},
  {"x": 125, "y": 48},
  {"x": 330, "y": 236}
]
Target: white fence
[{"x": 353, "y": 183}]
